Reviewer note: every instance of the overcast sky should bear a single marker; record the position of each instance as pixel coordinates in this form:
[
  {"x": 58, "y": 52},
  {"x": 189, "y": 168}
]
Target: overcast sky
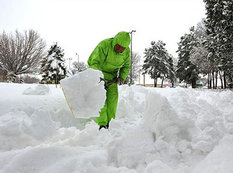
[{"x": 79, "y": 25}]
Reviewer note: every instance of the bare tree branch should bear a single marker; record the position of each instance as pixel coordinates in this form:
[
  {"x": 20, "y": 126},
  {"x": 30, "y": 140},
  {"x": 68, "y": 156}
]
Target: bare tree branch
[{"x": 21, "y": 52}]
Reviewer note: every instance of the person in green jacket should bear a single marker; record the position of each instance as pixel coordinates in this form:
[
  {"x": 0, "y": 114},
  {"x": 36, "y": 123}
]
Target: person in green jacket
[{"x": 112, "y": 57}]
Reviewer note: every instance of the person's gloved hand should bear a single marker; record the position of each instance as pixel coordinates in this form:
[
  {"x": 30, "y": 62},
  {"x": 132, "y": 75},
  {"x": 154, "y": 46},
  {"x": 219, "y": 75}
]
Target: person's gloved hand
[{"x": 120, "y": 81}]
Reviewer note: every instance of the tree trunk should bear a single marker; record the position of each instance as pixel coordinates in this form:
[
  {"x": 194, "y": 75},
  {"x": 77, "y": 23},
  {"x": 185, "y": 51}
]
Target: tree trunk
[
  {"x": 144, "y": 80},
  {"x": 209, "y": 85},
  {"x": 221, "y": 79},
  {"x": 210, "y": 80},
  {"x": 162, "y": 83},
  {"x": 213, "y": 79},
  {"x": 155, "y": 82},
  {"x": 216, "y": 79},
  {"x": 194, "y": 83},
  {"x": 224, "y": 79}
]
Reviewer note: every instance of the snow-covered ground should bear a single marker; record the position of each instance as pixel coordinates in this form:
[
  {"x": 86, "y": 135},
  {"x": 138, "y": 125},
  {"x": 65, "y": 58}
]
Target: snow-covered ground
[{"x": 156, "y": 130}]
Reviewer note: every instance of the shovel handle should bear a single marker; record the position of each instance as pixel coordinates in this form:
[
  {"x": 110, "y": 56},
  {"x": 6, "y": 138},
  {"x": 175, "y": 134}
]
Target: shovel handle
[{"x": 106, "y": 84}]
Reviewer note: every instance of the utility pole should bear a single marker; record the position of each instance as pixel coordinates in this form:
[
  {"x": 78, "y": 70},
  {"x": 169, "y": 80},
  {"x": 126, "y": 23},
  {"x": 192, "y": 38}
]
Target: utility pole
[
  {"x": 131, "y": 57},
  {"x": 78, "y": 65}
]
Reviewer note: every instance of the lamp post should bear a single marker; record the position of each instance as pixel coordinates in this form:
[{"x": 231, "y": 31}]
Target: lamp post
[{"x": 131, "y": 57}]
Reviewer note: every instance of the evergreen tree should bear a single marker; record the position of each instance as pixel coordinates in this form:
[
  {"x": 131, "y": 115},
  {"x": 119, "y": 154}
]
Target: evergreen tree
[
  {"x": 53, "y": 65},
  {"x": 226, "y": 39},
  {"x": 186, "y": 70},
  {"x": 219, "y": 24},
  {"x": 199, "y": 53},
  {"x": 156, "y": 63},
  {"x": 171, "y": 70}
]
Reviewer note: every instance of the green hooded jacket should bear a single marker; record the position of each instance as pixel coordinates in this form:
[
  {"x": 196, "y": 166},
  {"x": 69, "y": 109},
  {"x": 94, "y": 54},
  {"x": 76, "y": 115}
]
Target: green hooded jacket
[{"x": 105, "y": 59}]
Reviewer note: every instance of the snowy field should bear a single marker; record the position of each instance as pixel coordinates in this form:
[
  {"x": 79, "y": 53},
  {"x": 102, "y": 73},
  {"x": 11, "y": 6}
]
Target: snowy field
[{"x": 156, "y": 131}]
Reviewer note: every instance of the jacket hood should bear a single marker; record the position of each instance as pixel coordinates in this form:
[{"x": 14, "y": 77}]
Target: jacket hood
[{"x": 122, "y": 38}]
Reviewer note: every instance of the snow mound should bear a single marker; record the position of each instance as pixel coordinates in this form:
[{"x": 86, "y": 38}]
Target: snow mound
[
  {"x": 156, "y": 130},
  {"x": 162, "y": 119},
  {"x": 85, "y": 93},
  {"x": 159, "y": 166},
  {"x": 220, "y": 159},
  {"x": 40, "y": 126},
  {"x": 176, "y": 128},
  {"x": 38, "y": 90},
  {"x": 19, "y": 129},
  {"x": 132, "y": 97},
  {"x": 11, "y": 134}
]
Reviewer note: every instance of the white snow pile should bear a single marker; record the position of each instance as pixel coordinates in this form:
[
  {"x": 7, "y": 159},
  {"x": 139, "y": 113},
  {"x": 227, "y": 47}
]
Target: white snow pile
[
  {"x": 85, "y": 93},
  {"x": 37, "y": 90},
  {"x": 171, "y": 130}
]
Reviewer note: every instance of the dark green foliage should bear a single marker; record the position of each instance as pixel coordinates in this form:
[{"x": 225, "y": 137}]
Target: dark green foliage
[
  {"x": 219, "y": 24},
  {"x": 53, "y": 65},
  {"x": 158, "y": 63},
  {"x": 171, "y": 70},
  {"x": 186, "y": 70}
]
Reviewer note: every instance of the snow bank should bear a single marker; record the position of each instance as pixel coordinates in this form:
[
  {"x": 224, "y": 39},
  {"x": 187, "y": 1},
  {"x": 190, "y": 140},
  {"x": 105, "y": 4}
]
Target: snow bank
[
  {"x": 85, "y": 93},
  {"x": 20, "y": 130},
  {"x": 131, "y": 97},
  {"x": 179, "y": 127},
  {"x": 158, "y": 166},
  {"x": 155, "y": 130},
  {"x": 11, "y": 134},
  {"x": 220, "y": 159},
  {"x": 37, "y": 90}
]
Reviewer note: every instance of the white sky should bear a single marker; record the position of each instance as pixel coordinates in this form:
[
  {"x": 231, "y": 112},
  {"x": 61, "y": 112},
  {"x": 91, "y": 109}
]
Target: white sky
[{"x": 79, "y": 25}]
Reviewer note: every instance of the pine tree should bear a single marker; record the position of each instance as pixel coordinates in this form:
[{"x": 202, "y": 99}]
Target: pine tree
[
  {"x": 199, "y": 53},
  {"x": 219, "y": 24},
  {"x": 171, "y": 71},
  {"x": 156, "y": 63},
  {"x": 186, "y": 70},
  {"x": 226, "y": 39},
  {"x": 53, "y": 65}
]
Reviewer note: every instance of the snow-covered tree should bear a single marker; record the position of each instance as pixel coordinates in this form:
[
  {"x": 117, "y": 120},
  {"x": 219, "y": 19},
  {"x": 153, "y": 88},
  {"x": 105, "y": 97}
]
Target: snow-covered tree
[
  {"x": 199, "y": 53},
  {"x": 20, "y": 53},
  {"x": 78, "y": 67},
  {"x": 171, "y": 70},
  {"x": 226, "y": 38},
  {"x": 186, "y": 70},
  {"x": 219, "y": 24},
  {"x": 136, "y": 68},
  {"x": 53, "y": 67},
  {"x": 157, "y": 63}
]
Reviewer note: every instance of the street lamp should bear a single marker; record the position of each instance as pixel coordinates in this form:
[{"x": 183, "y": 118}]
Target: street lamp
[{"x": 131, "y": 57}]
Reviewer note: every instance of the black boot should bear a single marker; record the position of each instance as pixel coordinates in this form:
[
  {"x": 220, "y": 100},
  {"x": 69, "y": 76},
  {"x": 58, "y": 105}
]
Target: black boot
[
  {"x": 107, "y": 126},
  {"x": 102, "y": 127}
]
